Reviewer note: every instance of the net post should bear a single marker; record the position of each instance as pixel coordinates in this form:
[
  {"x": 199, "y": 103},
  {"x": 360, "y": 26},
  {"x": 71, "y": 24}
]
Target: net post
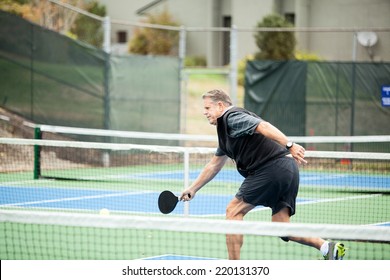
[
  {"x": 37, "y": 153},
  {"x": 186, "y": 179}
]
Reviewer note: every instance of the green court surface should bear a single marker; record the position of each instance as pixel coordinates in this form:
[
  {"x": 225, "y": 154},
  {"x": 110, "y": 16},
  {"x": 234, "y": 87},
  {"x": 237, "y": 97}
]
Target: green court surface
[{"x": 328, "y": 198}]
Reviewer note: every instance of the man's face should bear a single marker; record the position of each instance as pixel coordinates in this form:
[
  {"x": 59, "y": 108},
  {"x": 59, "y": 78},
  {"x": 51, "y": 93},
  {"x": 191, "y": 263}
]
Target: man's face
[{"x": 212, "y": 110}]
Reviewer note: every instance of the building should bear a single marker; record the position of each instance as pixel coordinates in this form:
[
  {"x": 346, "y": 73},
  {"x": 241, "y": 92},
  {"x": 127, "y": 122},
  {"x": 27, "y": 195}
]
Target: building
[{"x": 337, "y": 22}]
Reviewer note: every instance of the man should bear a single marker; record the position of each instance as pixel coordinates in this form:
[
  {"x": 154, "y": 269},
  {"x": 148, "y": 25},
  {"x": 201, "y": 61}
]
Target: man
[{"x": 267, "y": 160}]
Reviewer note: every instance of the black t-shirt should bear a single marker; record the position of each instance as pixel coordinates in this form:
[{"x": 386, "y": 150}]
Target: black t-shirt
[
  {"x": 240, "y": 124},
  {"x": 238, "y": 140}
]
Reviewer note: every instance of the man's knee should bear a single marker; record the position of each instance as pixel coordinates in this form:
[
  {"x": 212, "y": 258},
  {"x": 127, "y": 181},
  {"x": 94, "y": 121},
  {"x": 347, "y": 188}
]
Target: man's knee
[
  {"x": 237, "y": 209},
  {"x": 232, "y": 214}
]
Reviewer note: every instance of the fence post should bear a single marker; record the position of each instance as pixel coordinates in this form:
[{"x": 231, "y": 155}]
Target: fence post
[
  {"x": 182, "y": 86},
  {"x": 354, "y": 54},
  {"x": 233, "y": 64},
  {"x": 107, "y": 34},
  {"x": 107, "y": 50},
  {"x": 106, "y": 84}
]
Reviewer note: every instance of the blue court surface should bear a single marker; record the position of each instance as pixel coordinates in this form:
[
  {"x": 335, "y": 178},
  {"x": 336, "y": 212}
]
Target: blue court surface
[
  {"x": 146, "y": 201},
  {"x": 94, "y": 200},
  {"x": 339, "y": 180}
]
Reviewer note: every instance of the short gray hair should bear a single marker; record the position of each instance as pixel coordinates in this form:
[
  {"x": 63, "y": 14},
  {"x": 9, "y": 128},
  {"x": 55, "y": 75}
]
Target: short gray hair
[{"x": 217, "y": 95}]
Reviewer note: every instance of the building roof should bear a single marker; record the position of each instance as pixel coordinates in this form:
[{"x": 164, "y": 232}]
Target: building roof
[{"x": 146, "y": 7}]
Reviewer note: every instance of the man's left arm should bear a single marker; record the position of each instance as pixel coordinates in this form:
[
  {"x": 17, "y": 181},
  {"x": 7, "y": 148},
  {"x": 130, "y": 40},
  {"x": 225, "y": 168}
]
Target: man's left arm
[{"x": 272, "y": 132}]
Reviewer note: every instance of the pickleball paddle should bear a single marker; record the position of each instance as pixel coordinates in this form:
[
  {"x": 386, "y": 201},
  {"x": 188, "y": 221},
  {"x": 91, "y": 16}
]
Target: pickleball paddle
[{"x": 167, "y": 202}]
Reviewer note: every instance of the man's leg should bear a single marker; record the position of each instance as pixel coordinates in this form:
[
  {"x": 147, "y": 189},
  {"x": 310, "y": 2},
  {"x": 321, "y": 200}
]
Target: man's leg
[
  {"x": 236, "y": 210},
  {"x": 284, "y": 217}
]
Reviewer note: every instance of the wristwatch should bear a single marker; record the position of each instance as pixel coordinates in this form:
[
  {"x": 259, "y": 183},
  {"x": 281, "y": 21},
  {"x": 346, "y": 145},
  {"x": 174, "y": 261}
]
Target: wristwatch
[{"x": 289, "y": 145}]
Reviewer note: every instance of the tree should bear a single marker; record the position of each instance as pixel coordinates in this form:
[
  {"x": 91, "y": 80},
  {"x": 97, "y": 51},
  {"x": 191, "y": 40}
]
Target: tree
[
  {"x": 155, "y": 41},
  {"x": 21, "y": 8},
  {"x": 275, "y": 45},
  {"x": 88, "y": 29},
  {"x": 61, "y": 19}
]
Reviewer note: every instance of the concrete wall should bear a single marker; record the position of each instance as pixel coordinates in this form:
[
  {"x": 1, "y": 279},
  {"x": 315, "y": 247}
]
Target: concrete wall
[
  {"x": 247, "y": 16},
  {"x": 343, "y": 13}
]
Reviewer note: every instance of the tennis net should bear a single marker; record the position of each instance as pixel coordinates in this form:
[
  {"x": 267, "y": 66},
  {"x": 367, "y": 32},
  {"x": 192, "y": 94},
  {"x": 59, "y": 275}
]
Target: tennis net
[
  {"x": 46, "y": 235},
  {"x": 371, "y": 143},
  {"x": 343, "y": 196}
]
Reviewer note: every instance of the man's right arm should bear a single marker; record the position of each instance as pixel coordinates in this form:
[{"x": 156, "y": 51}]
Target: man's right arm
[{"x": 210, "y": 170}]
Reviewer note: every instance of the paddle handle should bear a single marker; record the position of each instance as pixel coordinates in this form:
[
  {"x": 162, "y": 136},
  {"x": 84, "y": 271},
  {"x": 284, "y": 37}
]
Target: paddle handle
[{"x": 189, "y": 196}]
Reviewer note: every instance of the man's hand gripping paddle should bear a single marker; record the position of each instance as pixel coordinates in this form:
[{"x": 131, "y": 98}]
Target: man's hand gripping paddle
[{"x": 167, "y": 202}]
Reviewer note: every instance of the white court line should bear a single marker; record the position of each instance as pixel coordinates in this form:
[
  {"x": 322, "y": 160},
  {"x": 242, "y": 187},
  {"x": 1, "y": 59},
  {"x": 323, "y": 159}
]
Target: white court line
[
  {"x": 379, "y": 224},
  {"x": 341, "y": 198},
  {"x": 73, "y": 198},
  {"x": 38, "y": 184},
  {"x": 314, "y": 201},
  {"x": 319, "y": 177},
  {"x": 204, "y": 215},
  {"x": 17, "y": 182}
]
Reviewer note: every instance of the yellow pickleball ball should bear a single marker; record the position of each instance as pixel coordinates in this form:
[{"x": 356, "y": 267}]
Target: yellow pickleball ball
[{"x": 104, "y": 212}]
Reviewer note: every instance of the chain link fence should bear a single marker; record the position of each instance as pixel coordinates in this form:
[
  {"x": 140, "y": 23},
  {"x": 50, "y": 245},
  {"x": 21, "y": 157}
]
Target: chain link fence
[{"x": 117, "y": 83}]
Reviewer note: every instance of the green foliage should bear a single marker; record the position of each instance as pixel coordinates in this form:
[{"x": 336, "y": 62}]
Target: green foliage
[
  {"x": 241, "y": 69},
  {"x": 275, "y": 45},
  {"x": 139, "y": 42},
  {"x": 299, "y": 55},
  {"x": 155, "y": 41},
  {"x": 8, "y": 2},
  {"x": 191, "y": 61},
  {"x": 90, "y": 30},
  {"x": 16, "y": 7}
]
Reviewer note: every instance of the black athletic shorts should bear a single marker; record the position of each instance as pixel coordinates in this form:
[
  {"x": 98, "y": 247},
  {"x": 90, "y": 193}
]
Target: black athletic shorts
[{"x": 274, "y": 185}]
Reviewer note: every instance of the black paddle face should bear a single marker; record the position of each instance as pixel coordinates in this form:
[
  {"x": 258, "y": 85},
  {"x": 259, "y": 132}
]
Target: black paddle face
[{"x": 167, "y": 202}]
